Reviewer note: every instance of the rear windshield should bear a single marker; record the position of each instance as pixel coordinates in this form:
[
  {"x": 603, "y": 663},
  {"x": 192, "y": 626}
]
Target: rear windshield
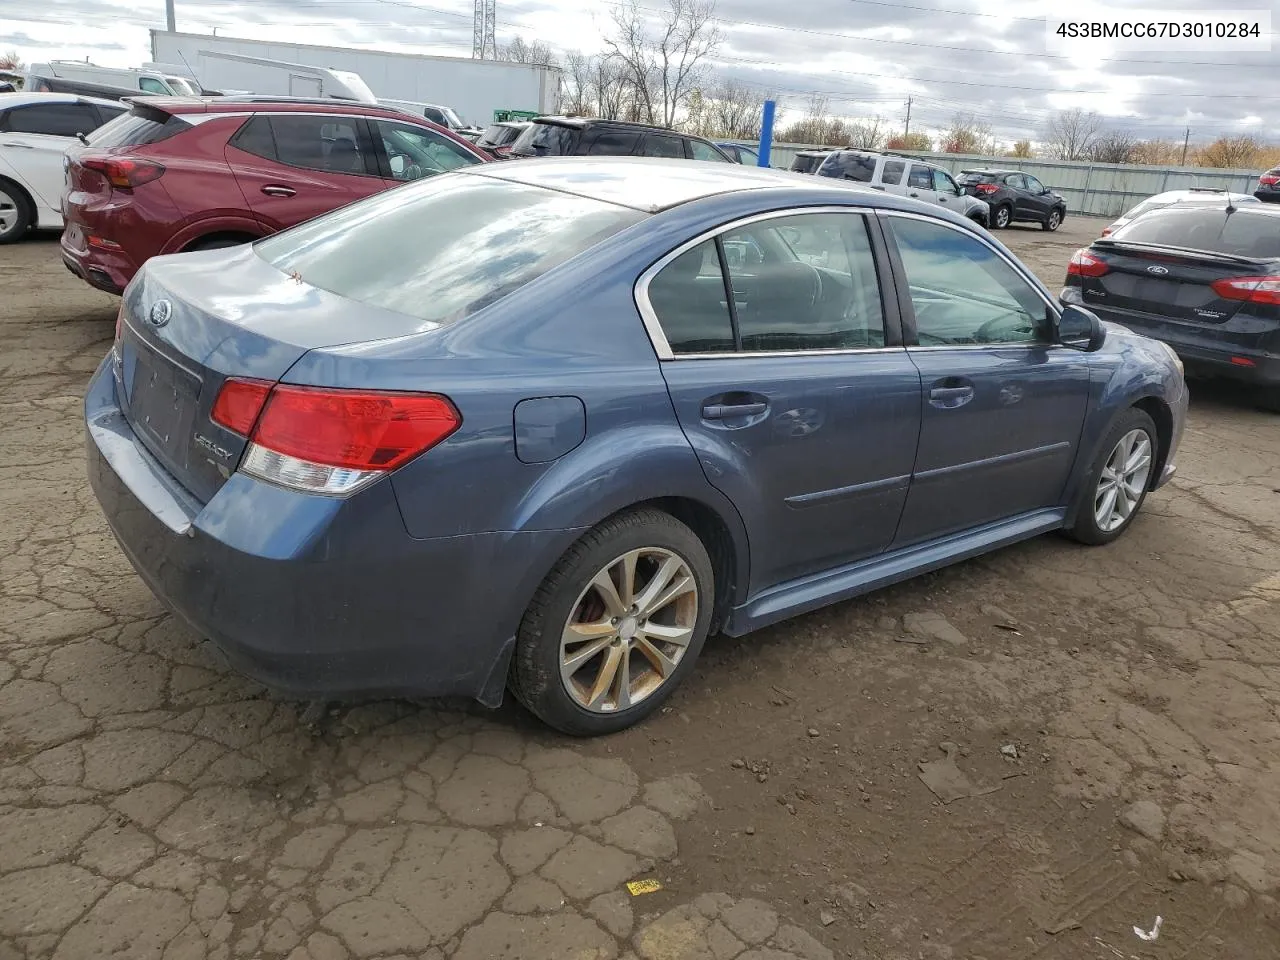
[
  {"x": 545, "y": 140},
  {"x": 140, "y": 126},
  {"x": 970, "y": 177},
  {"x": 849, "y": 166},
  {"x": 1197, "y": 227},
  {"x": 444, "y": 248},
  {"x": 497, "y": 134}
]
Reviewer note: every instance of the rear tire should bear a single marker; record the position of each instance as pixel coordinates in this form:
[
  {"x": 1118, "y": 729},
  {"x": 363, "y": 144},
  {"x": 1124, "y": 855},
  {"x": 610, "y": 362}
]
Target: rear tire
[
  {"x": 581, "y": 645},
  {"x": 1053, "y": 222},
  {"x": 15, "y": 212},
  {"x": 1268, "y": 398},
  {"x": 1117, "y": 484},
  {"x": 1001, "y": 217},
  {"x": 217, "y": 243}
]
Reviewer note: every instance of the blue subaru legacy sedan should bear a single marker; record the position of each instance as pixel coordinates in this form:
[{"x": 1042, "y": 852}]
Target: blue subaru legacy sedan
[{"x": 544, "y": 426}]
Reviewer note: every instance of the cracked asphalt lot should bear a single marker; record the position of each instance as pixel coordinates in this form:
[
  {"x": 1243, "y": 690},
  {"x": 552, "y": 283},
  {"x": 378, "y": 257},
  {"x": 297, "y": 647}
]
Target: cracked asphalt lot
[{"x": 1113, "y": 713}]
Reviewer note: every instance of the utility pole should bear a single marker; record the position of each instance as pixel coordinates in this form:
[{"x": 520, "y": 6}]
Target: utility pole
[
  {"x": 906, "y": 131},
  {"x": 1185, "y": 141},
  {"x": 169, "y": 16}
]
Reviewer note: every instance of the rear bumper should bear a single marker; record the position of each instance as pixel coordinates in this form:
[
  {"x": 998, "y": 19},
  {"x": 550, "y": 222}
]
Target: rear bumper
[
  {"x": 1218, "y": 350},
  {"x": 315, "y": 596},
  {"x": 106, "y": 271}
]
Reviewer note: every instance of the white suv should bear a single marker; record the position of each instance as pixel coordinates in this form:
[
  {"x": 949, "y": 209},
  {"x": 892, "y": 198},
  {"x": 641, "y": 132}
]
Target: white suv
[{"x": 905, "y": 176}]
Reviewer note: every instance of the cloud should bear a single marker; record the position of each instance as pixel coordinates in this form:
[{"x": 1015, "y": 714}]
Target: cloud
[{"x": 866, "y": 57}]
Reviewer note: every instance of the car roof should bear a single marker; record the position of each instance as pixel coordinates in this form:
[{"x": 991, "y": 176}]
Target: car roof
[
  {"x": 581, "y": 123},
  {"x": 1206, "y": 194},
  {"x": 251, "y": 103},
  {"x": 8, "y": 100},
  {"x": 649, "y": 184}
]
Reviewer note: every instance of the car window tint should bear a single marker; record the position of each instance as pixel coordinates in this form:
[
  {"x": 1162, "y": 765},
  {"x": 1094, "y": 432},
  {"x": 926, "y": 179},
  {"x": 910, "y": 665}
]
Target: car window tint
[
  {"x": 943, "y": 183},
  {"x": 658, "y": 145},
  {"x": 255, "y": 137},
  {"x": 52, "y": 119},
  {"x": 443, "y": 248},
  {"x": 545, "y": 140},
  {"x": 1034, "y": 185},
  {"x": 688, "y": 298},
  {"x": 891, "y": 175},
  {"x": 1016, "y": 181},
  {"x": 1195, "y": 227},
  {"x": 136, "y": 127},
  {"x": 704, "y": 151},
  {"x": 107, "y": 114},
  {"x": 414, "y": 153},
  {"x": 331, "y": 144},
  {"x": 435, "y": 115},
  {"x": 962, "y": 291},
  {"x": 805, "y": 282},
  {"x": 921, "y": 178},
  {"x": 848, "y": 166},
  {"x": 615, "y": 143}
]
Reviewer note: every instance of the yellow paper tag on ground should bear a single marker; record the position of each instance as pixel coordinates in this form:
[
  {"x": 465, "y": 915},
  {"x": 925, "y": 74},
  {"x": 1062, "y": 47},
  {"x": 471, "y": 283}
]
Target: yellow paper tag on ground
[{"x": 638, "y": 887}]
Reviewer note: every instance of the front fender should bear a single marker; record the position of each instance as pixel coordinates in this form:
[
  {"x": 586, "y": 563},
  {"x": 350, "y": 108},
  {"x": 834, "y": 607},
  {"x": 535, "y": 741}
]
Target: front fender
[{"x": 591, "y": 484}]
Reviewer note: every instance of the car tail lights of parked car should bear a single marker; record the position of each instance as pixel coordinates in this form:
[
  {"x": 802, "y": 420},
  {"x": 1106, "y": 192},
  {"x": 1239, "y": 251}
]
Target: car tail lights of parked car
[
  {"x": 1249, "y": 289},
  {"x": 123, "y": 173},
  {"x": 1085, "y": 264},
  {"x": 330, "y": 441},
  {"x": 1269, "y": 179},
  {"x": 987, "y": 188}
]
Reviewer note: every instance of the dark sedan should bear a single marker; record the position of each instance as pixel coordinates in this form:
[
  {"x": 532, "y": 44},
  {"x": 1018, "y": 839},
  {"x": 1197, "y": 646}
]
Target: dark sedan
[
  {"x": 1205, "y": 280},
  {"x": 1014, "y": 197},
  {"x": 503, "y": 427}
]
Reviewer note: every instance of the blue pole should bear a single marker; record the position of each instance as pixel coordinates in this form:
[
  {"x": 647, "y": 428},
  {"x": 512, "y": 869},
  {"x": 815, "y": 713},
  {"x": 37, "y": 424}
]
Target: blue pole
[{"x": 766, "y": 133}]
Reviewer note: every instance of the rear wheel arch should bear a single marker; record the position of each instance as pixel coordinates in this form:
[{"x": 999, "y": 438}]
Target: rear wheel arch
[{"x": 214, "y": 241}]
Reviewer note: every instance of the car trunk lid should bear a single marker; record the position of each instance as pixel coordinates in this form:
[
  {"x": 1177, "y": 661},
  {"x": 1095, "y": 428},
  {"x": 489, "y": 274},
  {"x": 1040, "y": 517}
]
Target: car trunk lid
[
  {"x": 1165, "y": 282},
  {"x": 188, "y": 324}
]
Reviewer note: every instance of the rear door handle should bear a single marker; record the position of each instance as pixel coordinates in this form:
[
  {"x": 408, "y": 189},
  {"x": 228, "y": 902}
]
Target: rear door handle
[
  {"x": 913, "y": 194},
  {"x": 727, "y": 411},
  {"x": 276, "y": 191},
  {"x": 948, "y": 397}
]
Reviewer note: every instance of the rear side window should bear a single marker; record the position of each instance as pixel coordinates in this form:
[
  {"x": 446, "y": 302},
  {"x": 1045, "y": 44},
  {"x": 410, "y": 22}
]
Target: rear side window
[
  {"x": 1211, "y": 229},
  {"x": 545, "y": 140},
  {"x": 51, "y": 119},
  {"x": 137, "y": 128},
  {"x": 483, "y": 240},
  {"x": 891, "y": 176},
  {"x": 688, "y": 296},
  {"x": 659, "y": 145},
  {"x": 849, "y": 166},
  {"x": 255, "y": 137},
  {"x": 613, "y": 143},
  {"x": 921, "y": 178}
]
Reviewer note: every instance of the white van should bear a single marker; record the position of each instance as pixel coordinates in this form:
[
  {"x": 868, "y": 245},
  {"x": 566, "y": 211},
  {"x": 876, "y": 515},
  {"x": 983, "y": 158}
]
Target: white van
[
  {"x": 438, "y": 114},
  {"x": 148, "y": 81},
  {"x": 232, "y": 71}
]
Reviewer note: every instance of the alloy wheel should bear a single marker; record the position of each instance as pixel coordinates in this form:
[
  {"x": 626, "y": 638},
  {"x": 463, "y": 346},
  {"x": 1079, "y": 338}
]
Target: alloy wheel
[
  {"x": 1002, "y": 217},
  {"x": 10, "y": 213},
  {"x": 1054, "y": 220},
  {"x": 1123, "y": 481},
  {"x": 628, "y": 630}
]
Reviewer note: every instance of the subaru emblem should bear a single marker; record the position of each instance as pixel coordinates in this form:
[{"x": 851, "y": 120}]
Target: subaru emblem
[
  {"x": 1158, "y": 270},
  {"x": 161, "y": 311}
]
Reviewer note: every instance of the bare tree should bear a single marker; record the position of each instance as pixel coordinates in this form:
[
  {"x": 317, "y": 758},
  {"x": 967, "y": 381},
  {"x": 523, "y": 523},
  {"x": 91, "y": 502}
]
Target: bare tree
[
  {"x": 1070, "y": 133},
  {"x": 1241, "y": 151},
  {"x": 664, "y": 55},
  {"x": 734, "y": 111},
  {"x": 967, "y": 134},
  {"x": 1156, "y": 152},
  {"x": 577, "y": 95},
  {"x": 866, "y": 134},
  {"x": 615, "y": 95},
  {"x": 12, "y": 60},
  {"x": 595, "y": 86},
  {"x": 1114, "y": 146},
  {"x": 521, "y": 51}
]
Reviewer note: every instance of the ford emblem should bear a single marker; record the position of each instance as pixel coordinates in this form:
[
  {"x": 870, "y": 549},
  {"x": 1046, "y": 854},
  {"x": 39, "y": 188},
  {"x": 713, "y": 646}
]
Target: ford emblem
[
  {"x": 161, "y": 311},
  {"x": 1157, "y": 270}
]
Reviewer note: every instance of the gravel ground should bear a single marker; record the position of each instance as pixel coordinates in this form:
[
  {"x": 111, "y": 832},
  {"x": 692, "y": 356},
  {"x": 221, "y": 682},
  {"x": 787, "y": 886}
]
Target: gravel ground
[{"x": 1113, "y": 715}]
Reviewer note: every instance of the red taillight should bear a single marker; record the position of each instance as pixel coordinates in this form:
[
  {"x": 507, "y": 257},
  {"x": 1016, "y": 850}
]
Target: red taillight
[
  {"x": 239, "y": 403},
  {"x": 1085, "y": 264},
  {"x": 1243, "y": 362},
  {"x": 122, "y": 172},
  {"x": 1253, "y": 289},
  {"x": 1269, "y": 179},
  {"x": 353, "y": 429},
  {"x": 986, "y": 188}
]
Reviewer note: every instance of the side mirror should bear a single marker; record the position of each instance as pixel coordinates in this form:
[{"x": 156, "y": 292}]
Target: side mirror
[{"x": 1080, "y": 329}]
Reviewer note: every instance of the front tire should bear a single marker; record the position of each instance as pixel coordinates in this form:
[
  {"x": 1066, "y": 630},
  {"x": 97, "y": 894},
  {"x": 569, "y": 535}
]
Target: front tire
[
  {"x": 1053, "y": 222},
  {"x": 15, "y": 212},
  {"x": 1118, "y": 482},
  {"x": 1002, "y": 216},
  {"x": 616, "y": 626}
]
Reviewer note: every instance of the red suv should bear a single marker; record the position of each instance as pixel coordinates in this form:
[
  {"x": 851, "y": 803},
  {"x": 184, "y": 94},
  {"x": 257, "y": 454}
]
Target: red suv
[{"x": 177, "y": 174}]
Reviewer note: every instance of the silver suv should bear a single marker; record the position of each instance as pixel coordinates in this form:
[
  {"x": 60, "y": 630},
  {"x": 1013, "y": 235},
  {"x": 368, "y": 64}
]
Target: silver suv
[{"x": 905, "y": 176}]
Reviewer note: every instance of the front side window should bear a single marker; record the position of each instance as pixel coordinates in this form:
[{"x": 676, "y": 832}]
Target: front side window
[
  {"x": 414, "y": 153},
  {"x": 443, "y": 248},
  {"x": 1034, "y": 185},
  {"x": 801, "y": 282},
  {"x": 705, "y": 151},
  {"x": 51, "y": 119},
  {"x": 962, "y": 291},
  {"x": 331, "y": 144},
  {"x": 943, "y": 183}
]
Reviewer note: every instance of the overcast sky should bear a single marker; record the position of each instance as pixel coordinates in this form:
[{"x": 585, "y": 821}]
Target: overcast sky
[{"x": 983, "y": 56}]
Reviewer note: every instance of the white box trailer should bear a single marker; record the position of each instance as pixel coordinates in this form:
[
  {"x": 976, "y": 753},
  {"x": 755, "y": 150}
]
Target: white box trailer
[
  {"x": 217, "y": 70},
  {"x": 473, "y": 88}
]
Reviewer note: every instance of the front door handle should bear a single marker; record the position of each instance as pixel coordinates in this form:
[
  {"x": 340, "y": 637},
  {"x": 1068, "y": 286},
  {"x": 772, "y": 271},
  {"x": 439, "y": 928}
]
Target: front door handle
[
  {"x": 948, "y": 398},
  {"x": 272, "y": 190},
  {"x": 727, "y": 411},
  {"x": 18, "y": 146}
]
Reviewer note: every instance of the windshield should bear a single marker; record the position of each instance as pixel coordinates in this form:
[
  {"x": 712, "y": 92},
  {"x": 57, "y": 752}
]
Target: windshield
[
  {"x": 182, "y": 87},
  {"x": 444, "y": 248},
  {"x": 544, "y": 140},
  {"x": 1199, "y": 227}
]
